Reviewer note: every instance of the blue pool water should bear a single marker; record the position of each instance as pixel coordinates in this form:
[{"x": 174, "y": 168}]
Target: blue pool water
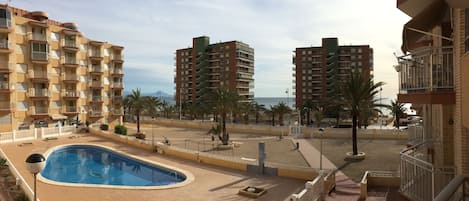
[{"x": 88, "y": 164}]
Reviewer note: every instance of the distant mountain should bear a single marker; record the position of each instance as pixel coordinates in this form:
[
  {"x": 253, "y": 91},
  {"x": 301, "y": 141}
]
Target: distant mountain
[{"x": 159, "y": 93}]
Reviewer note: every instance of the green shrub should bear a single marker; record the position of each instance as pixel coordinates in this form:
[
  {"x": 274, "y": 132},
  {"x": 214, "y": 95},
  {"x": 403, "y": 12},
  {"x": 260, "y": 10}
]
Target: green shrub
[
  {"x": 3, "y": 162},
  {"x": 104, "y": 127},
  {"x": 120, "y": 129}
]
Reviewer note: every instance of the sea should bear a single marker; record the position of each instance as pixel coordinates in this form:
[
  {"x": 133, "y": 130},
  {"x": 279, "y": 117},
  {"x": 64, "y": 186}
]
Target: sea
[{"x": 266, "y": 101}]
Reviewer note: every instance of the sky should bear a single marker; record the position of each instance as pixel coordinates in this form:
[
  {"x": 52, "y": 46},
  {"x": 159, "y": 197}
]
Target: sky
[{"x": 152, "y": 30}]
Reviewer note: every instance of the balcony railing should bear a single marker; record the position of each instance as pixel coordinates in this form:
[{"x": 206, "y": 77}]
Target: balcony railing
[
  {"x": 422, "y": 180},
  {"x": 4, "y": 85},
  {"x": 38, "y": 55},
  {"x": 95, "y": 113},
  {"x": 38, "y": 74},
  {"x": 96, "y": 69},
  {"x": 70, "y": 93},
  {"x": 4, "y": 44},
  {"x": 70, "y": 77},
  {"x": 5, "y": 22},
  {"x": 40, "y": 37},
  {"x": 116, "y": 57},
  {"x": 4, "y": 105},
  {"x": 117, "y": 112},
  {"x": 94, "y": 53},
  {"x": 70, "y": 109},
  {"x": 117, "y": 71},
  {"x": 117, "y": 85},
  {"x": 95, "y": 84},
  {"x": 96, "y": 99},
  {"x": 70, "y": 43},
  {"x": 38, "y": 110},
  {"x": 38, "y": 92},
  {"x": 5, "y": 66},
  {"x": 456, "y": 190},
  {"x": 69, "y": 60},
  {"x": 429, "y": 70}
]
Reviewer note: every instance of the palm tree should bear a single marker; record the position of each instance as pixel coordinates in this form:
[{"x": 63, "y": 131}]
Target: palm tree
[
  {"x": 282, "y": 109},
  {"x": 258, "y": 108},
  {"x": 271, "y": 112},
  {"x": 397, "y": 110},
  {"x": 224, "y": 101},
  {"x": 357, "y": 93},
  {"x": 151, "y": 105},
  {"x": 137, "y": 104},
  {"x": 318, "y": 109},
  {"x": 307, "y": 107}
]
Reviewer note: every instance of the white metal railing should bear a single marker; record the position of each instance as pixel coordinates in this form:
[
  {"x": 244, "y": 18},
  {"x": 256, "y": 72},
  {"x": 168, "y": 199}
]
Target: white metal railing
[
  {"x": 4, "y": 43},
  {"x": 5, "y": 22},
  {"x": 38, "y": 36},
  {"x": 427, "y": 70},
  {"x": 70, "y": 93},
  {"x": 69, "y": 109},
  {"x": 416, "y": 134},
  {"x": 38, "y": 92},
  {"x": 96, "y": 68},
  {"x": 4, "y": 85},
  {"x": 69, "y": 43},
  {"x": 36, "y": 74},
  {"x": 69, "y": 60},
  {"x": 96, "y": 84},
  {"x": 38, "y": 55},
  {"x": 456, "y": 190},
  {"x": 421, "y": 180}
]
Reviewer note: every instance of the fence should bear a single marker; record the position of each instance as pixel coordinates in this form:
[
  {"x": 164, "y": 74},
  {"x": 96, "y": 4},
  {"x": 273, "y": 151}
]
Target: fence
[
  {"x": 317, "y": 189},
  {"x": 36, "y": 133},
  {"x": 421, "y": 180}
]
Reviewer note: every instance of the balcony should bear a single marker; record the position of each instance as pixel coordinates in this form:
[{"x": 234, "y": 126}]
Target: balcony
[
  {"x": 96, "y": 69},
  {"x": 117, "y": 98},
  {"x": 95, "y": 55},
  {"x": 5, "y": 46},
  {"x": 116, "y": 58},
  {"x": 40, "y": 57},
  {"x": 117, "y": 85},
  {"x": 5, "y": 87},
  {"x": 117, "y": 112},
  {"x": 6, "y": 67},
  {"x": 38, "y": 93},
  {"x": 38, "y": 111},
  {"x": 95, "y": 84},
  {"x": 422, "y": 180},
  {"x": 5, "y": 24},
  {"x": 70, "y": 78},
  {"x": 96, "y": 99},
  {"x": 69, "y": 62},
  {"x": 95, "y": 114},
  {"x": 117, "y": 72},
  {"x": 70, "y": 45},
  {"x": 70, "y": 94},
  {"x": 426, "y": 77},
  {"x": 69, "y": 110},
  {"x": 38, "y": 76},
  {"x": 38, "y": 37},
  {"x": 6, "y": 106}
]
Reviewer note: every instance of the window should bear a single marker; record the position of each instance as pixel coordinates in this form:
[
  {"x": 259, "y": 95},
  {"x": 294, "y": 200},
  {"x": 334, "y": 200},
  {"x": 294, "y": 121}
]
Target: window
[
  {"x": 39, "y": 47},
  {"x": 84, "y": 47},
  {"x": 20, "y": 29},
  {"x": 106, "y": 52}
]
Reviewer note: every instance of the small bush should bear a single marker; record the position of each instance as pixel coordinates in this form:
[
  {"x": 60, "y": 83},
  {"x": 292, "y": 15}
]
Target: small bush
[
  {"x": 21, "y": 197},
  {"x": 104, "y": 127},
  {"x": 120, "y": 129},
  {"x": 3, "y": 162}
]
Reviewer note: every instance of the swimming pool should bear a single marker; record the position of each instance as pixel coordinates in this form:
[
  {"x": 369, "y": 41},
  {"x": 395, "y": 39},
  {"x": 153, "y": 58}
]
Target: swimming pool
[{"x": 95, "y": 165}]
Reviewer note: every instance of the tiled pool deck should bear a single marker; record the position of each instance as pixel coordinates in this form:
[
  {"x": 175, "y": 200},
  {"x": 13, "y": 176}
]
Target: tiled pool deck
[{"x": 210, "y": 183}]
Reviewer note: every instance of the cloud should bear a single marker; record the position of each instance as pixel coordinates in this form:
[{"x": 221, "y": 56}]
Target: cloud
[{"x": 151, "y": 31}]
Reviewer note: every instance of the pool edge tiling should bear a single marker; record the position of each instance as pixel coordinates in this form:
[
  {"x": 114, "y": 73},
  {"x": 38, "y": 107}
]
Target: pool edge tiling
[{"x": 189, "y": 176}]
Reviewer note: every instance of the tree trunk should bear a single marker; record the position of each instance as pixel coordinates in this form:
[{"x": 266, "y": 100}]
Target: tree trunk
[
  {"x": 138, "y": 122},
  {"x": 257, "y": 117},
  {"x": 354, "y": 134},
  {"x": 273, "y": 119},
  {"x": 223, "y": 127}
]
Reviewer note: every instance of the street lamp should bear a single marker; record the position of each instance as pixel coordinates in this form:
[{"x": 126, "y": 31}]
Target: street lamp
[
  {"x": 321, "y": 132},
  {"x": 34, "y": 164}
]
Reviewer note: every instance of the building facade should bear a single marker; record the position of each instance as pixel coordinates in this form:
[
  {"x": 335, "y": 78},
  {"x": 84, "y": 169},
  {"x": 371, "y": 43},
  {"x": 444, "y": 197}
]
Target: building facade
[
  {"x": 318, "y": 70},
  {"x": 50, "y": 73},
  {"x": 431, "y": 77},
  {"x": 205, "y": 67}
]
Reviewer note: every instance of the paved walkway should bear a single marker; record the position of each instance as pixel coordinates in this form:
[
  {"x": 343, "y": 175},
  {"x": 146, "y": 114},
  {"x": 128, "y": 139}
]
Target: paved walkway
[{"x": 346, "y": 189}]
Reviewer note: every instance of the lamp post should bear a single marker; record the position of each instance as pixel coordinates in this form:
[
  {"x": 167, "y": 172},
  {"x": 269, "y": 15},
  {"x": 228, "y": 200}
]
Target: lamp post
[
  {"x": 34, "y": 164},
  {"x": 321, "y": 132}
]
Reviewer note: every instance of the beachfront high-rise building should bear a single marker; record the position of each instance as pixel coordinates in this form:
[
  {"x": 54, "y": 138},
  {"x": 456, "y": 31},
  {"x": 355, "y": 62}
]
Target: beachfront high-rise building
[
  {"x": 205, "y": 67},
  {"x": 318, "y": 69},
  {"x": 51, "y": 73},
  {"x": 432, "y": 70}
]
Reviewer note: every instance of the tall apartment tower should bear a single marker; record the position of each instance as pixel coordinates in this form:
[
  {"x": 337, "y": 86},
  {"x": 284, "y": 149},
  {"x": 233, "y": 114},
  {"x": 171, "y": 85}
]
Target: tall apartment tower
[
  {"x": 205, "y": 67},
  {"x": 318, "y": 70},
  {"x": 50, "y": 73}
]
